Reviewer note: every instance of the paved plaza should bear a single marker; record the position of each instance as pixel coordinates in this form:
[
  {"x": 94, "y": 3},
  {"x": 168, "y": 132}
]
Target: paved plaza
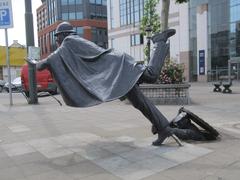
[{"x": 112, "y": 141}]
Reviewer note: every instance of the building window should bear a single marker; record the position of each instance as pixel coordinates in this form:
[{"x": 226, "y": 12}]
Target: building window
[
  {"x": 64, "y": 16},
  {"x": 136, "y": 39},
  {"x": 80, "y": 31},
  {"x": 78, "y": 1},
  {"x": 104, "y": 2},
  {"x": 79, "y": 15},
  {"x": 72, "y": 15},
  {"x": 97, "y": 16},
  {"x": 98, "y": 2},
  {"x": 96, "y": 11},
  {"x": 111, "y": 13},
  {"x": 123, "y": 13},
  {"x": 131, "y": 11},
  {"x": 64, "y": 2},
  {"x": 52, "y": 41},
  {"x": 71, "y": 2},
  {"x": 234, "y": 36},
  {"x": 99, "y": 36}
]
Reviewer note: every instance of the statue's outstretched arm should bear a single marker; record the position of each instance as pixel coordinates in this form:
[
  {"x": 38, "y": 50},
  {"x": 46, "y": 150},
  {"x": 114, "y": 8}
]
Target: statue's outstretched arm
[{"x": 40, "y": 65}]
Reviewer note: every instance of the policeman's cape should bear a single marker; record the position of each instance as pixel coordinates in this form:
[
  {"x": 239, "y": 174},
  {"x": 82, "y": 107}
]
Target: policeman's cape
[{"x": 87, "y": 74}]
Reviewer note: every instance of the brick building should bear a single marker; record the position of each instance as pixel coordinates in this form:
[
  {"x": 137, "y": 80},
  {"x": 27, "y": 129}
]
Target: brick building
[{"x": 89, "y": 18}]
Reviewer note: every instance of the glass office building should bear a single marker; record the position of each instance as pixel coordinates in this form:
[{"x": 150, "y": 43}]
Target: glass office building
[
  {"x": 89, "y": 18},
  {"x": 223, "y": 33}
]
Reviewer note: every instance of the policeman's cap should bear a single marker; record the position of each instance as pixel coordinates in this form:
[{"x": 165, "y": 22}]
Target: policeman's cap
[{"x": 64, "y": 27}]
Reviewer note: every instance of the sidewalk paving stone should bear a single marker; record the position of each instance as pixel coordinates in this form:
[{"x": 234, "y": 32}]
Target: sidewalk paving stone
[
  {"x": 113, "y": 141},
  {"x": 119, "y": 158}
]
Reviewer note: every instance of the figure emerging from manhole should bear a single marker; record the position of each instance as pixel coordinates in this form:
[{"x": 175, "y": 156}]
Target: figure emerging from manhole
[{"x": 87, "y": 74}]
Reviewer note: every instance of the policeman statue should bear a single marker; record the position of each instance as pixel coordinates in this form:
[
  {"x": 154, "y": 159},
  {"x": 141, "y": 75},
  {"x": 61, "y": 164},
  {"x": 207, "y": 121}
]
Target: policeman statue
[{"x": 87, "y": 75}]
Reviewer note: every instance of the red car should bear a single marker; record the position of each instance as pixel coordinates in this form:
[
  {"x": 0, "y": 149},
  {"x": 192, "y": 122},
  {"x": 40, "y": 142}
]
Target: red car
[{"x": 44, "y": 80}]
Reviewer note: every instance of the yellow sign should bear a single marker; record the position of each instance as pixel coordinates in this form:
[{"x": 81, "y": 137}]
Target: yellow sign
[{"x": 16, "y": 55}]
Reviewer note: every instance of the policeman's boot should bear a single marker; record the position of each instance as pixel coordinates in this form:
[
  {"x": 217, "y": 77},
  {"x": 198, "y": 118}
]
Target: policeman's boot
[
  {"x": 160, "y": 51},
  {"x": 167, "y": 132},
  {"x": 163, "y": 36}
]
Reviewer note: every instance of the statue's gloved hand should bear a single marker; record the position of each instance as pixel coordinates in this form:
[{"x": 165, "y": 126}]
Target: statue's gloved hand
[{"x": 31, "y": 61}]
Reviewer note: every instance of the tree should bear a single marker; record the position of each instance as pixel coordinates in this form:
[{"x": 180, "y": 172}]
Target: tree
[
  {"x": 172, "y": 73},
  {"x": 150, "y": 20},
  {"x": 165, "y": 12},
  {"x": 150, "y": 17}
]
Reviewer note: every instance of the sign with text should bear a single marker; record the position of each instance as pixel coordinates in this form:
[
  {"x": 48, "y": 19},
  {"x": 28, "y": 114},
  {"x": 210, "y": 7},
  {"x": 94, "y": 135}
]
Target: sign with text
[
  {"x": 201, "y": 62},
  {"x": 34, "y": 52},
  {"x": 6, "y": 19}
]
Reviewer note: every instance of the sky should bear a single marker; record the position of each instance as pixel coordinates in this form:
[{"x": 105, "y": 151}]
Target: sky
[{"x": 18, "y": 30}]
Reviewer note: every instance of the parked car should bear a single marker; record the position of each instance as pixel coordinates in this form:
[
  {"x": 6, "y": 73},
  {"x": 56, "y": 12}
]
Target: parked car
[
  {"x": 2, "y": 83},
  {"x": 16, "y": 85},
  {"x": 45, "y": 82}
]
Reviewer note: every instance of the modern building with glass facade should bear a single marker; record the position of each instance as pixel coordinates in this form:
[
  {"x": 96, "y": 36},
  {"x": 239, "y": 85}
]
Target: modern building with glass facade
[
  {"x": 89, "y": 18},
  {"x": 208, "y": 33},
  {"x": 220, "y": 20}
]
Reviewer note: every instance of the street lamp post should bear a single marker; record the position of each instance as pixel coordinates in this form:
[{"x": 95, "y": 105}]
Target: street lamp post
[
  {"x": 148, "y": 35},
  {"x": 30, "y": 42}
]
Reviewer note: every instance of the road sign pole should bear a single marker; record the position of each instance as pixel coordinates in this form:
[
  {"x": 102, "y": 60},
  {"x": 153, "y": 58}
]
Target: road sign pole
[
  {"x": 8, "y": 68},
  {"x": 6, "y": 21}
]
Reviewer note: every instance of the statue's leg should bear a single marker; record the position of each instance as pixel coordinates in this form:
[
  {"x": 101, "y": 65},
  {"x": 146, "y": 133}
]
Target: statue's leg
[
  {"x": 149, "y": 110},
  {"x": 154, "y": 67},
  {"x": 163, "y": 36},
  {"x": 158, "y": 56}
]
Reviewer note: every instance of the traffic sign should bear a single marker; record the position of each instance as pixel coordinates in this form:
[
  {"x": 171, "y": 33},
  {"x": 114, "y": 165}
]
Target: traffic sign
[{"x": 6, "y": 20}]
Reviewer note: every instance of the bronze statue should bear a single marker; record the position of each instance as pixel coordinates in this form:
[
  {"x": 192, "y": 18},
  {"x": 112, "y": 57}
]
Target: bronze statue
[{"x": 87, "y": 74}]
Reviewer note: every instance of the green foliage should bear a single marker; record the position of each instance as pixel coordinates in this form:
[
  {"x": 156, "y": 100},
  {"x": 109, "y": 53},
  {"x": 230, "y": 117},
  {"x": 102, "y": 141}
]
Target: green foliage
[
  {"x": 146, "y": 51},
  {"x": 150, "y": 17},
  {"x": 172, "y": 73}
]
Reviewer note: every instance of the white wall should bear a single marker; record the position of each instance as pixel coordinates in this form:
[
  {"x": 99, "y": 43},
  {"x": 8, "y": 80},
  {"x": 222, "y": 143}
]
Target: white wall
[
  {"x": 202, "y": 37},
  {"x": 120, "y": 36},
  {"x": 122, "y": 44},
  {"x": 183, "y": 27},
  {"x": 137, "y": 52},
  {"x": 178, "y": 20}
]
